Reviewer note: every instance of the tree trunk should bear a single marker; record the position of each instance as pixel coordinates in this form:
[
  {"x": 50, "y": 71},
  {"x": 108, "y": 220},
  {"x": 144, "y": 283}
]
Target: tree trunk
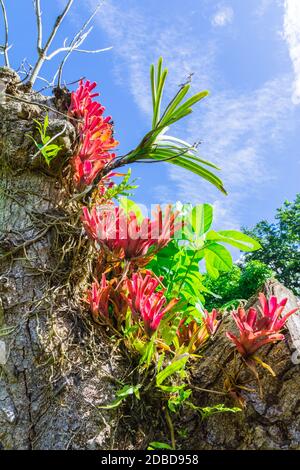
[{"x": 56, "y": 367}]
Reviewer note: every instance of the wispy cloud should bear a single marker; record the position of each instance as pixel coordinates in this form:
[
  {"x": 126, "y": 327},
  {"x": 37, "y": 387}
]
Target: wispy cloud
[
  {"x": 292, "y": 36},
  {"x": 263, "y": 6},
  {"x": 138, "y": 42},
  {"x": 223, "y": 16}
]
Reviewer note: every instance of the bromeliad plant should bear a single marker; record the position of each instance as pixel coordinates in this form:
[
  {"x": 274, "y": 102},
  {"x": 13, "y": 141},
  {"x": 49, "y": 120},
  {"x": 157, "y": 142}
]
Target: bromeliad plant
[
  {"x": 179, "y": 261},
  {"x": 257, "y": 330},
  {"x": 124, "y": 237}
]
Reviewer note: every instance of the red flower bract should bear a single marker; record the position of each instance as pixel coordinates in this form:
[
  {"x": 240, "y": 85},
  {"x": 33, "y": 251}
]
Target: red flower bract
[
  {"x": 271, "y": 312},
  {"x": 97, "y": 297},
  {"x": 210, "y": 321},
  {"x": 256, "y": 332},
  {"x": 95, "y": 135},
  {"x": 124, "y": 236},
  {"x": 145, "y": 302}
]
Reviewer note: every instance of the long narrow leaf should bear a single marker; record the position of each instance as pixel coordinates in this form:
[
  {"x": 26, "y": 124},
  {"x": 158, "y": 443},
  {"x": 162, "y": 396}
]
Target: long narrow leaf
[
  {"x": 191, "y": 101},
  {"x": 153, "y": 86},
  {"x": 174, "y": 103},
  {"x": 160, "y": 88}
]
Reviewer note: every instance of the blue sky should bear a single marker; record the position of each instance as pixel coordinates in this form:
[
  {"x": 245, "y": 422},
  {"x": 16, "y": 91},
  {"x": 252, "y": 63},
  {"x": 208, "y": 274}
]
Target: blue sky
[{"x": 246, "y": 53}]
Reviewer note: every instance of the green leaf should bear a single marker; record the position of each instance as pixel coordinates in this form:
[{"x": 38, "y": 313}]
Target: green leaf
[
  {"x": 160, "y": 361},
  {"x": 153, "y": 88},
  {"x": 158, "y": 445},
  {"x": 172, "y": 388},
  {"x": 217, "y": 258},
  {"x": 122, "y": 394},
  {"x": 192, "y": 101},
  {"x": 207, "y": 411},
  {"x": 201, "y": 218},
  {"x": 168, "y": 331},
  {"x": 148, "y": 352},
  {"x": 174, "y": 103},
  {"x": 157, "y": 86},
  {"x": 235, "y": 238},
  {"x": 174, "y": 367}
]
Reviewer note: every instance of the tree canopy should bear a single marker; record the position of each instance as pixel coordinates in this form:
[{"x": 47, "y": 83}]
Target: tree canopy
[{"x": 280, "y": 242}]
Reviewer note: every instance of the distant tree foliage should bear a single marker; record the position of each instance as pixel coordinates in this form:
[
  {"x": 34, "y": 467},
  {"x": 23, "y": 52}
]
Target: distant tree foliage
[
  {"x": 280, "y": 244},
  {"x": 240, "y": 283}
]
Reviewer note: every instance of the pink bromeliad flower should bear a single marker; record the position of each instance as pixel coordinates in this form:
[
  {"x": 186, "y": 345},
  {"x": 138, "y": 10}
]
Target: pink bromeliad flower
[
  {"x": 124, "y": 236},
  {"x": 81, "y": 99},
  {"x": 95, "y": 135},
  {"x": 271, "y": 312},
  {"x": 256, "y": 332},
  {"x": 98, "y": 297},
  {"x": 145, "y": 302},
  {"x": 210, "y": 321}
]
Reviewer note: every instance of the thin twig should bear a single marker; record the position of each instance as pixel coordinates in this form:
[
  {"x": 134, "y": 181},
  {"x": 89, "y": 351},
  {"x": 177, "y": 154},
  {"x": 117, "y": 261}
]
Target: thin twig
[
  {"x": 75, "y": 42},
  {"x": 74, "y": 49},
  {"x": 42, "y": 105},
  {"x": 5, "y": 48},
  {"x": 74, "y": 45}
]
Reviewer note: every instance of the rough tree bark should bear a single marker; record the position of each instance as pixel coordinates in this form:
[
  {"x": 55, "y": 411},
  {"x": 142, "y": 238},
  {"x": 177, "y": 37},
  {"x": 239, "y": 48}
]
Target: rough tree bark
[
  {"x": 55, "y": 366},
  {"x": 51, "y": 380}
]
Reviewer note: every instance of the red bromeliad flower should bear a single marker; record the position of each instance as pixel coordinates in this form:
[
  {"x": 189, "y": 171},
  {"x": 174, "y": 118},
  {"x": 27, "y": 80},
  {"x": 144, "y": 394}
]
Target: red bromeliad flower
[
  {"x": 271, "y": 312},
  {"x": 210, "y": 321},
  {"x": 81, "y": 99},
  {"x": 98, "y": 297},
  {"x": 124, "y": 236},
  {"x": 145, "y": 303},
  {"x": 256, "y": 332},
  {"x": 95, "y": 133}
]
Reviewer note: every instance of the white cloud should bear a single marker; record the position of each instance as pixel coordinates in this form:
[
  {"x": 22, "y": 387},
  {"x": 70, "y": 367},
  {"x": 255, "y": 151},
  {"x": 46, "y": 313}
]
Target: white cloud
[
  {"x": 223, "y": 16},
  {"x": 292, "y": 36}
]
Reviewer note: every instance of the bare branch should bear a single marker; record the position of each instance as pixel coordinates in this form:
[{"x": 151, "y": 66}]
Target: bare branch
[
  {"x": 73, "y": 46},
  {"x": 77, "y": 41},
  {"x": 38, "y": 14},
  {"x": 5, "y": 48},
  {"x": 42, "y": 51},
  {"x": 70, "y": 49}
]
